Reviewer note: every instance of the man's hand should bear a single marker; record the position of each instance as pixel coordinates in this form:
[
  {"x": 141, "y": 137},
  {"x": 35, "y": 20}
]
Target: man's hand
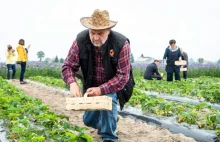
[
  {"x": 29, "y": 46},
  {"x": 94, "y": 91},
  {"x": 75, "y": 90}
]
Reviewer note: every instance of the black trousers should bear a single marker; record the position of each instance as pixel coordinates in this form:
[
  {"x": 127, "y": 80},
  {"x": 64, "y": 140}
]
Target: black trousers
[
  {"x": 23, "y": 69},
  {"x": 185, "y": 74},
  {"x": 173, "y": 70},
  {"x": 158, "y": 77}
]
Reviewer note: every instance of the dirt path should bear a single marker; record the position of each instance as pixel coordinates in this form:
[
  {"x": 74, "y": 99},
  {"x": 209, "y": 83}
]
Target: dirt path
[{"x": 128, "y": 130}]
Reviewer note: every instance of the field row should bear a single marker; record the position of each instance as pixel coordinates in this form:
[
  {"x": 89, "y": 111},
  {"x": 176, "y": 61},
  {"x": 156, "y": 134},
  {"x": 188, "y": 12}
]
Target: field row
[
  {"x": 28, "y": 120},
  {"x": 203, "y": 87}
]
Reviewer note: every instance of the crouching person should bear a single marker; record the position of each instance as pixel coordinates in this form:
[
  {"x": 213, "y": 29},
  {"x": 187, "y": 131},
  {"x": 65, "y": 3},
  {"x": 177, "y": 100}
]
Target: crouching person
[
  {"x": 152, "y": 71},
  {"x": 104, "y": 58}
]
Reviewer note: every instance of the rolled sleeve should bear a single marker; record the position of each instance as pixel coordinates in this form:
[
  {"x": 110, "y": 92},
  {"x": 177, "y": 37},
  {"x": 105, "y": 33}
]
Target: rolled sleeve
[{"x": 71, "y": 64}]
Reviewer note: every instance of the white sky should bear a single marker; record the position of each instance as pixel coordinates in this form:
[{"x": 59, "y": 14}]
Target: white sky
[{"x": 52, "y": 25}]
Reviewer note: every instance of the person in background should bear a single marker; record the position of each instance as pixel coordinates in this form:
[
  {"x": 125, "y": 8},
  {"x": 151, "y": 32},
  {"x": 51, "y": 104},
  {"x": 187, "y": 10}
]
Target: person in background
[
  {"x": 184, "y": 57},
  {"x": 22, "y": 59},
  {"x": 152, "y": 71},
  {"x": 10, "y": 61},
  {"x": 172, "y": 54}
]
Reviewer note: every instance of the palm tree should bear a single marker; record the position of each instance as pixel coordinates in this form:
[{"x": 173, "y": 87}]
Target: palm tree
[{"x": 40, "y": 55}]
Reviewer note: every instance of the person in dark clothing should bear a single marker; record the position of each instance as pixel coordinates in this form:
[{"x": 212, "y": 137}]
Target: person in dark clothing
[
  {"x": 152, "y": 71},
  {"x": 184, "y": 57},
  {"x": 172, "y": 54}
]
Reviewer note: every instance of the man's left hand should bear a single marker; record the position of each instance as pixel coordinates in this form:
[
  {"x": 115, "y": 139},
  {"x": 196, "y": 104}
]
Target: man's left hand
[{"x": 94, "y": 91}]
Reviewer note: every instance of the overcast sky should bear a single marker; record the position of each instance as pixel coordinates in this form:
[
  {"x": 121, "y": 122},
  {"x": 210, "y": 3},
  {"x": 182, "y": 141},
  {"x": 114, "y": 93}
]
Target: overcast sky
[{"x": 52, "y": 25}]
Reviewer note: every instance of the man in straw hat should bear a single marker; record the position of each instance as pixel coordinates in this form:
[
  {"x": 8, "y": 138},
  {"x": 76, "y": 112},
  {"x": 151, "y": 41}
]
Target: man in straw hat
[{"x": 104, "y": 58}]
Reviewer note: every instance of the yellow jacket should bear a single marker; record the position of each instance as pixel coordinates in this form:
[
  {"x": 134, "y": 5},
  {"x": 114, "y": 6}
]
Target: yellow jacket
[
  {"x": 10, "y": 58},
  {"x": 22, "y": 55}
]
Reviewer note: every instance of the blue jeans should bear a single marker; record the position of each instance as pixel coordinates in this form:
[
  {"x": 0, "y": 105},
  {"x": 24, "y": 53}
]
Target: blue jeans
[
  {"x": 104, "y": 121},
  {"x": 13, "y": 68}
]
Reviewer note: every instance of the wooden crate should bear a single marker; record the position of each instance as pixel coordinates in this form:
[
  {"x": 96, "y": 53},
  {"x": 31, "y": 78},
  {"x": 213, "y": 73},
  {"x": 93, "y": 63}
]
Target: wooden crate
[
  {"x": 183, "y": 69},
  {"x": 89, "y": 103},
  {"x": 180, "y": 63}
]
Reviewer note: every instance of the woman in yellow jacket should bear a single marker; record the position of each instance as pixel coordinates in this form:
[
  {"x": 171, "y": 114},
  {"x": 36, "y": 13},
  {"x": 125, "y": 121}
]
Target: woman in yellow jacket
[
  {"x": 10, "y": 61},
  {"x": 22, "y": 59}
]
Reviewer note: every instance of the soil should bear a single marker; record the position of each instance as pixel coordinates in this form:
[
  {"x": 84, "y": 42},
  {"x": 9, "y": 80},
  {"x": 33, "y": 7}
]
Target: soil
[{"x": 128, "y": 129}]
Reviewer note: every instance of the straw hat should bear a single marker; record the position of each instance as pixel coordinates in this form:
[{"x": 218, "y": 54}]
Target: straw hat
[{"x": 98, "y": 21}]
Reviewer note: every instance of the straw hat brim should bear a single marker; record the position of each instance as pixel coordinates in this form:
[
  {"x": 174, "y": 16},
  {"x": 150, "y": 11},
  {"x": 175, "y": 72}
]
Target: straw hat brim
[{"x": 86, "y": 22}]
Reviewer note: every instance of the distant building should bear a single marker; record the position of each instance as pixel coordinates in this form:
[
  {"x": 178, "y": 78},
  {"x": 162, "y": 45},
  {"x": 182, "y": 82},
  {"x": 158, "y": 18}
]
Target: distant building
[{"x": 144, "y": 60}]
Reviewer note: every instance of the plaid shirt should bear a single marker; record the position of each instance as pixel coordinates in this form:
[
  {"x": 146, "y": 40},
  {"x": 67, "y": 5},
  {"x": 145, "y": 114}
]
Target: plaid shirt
[{"x": 117, "y": 83}]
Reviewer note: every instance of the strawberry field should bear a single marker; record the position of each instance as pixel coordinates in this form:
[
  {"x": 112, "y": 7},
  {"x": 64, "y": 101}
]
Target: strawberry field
[
  {"x": 203, "y": 115},
  {"x": 193, "y": 104}
]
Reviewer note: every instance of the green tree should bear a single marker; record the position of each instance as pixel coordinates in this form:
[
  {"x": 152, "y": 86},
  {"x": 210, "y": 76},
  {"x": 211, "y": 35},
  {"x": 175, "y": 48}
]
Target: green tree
[
  {"x": 56, "y": 59},
  {"x": 200, "y": 60},
  {"x": 40, "y": 55},
  {"x": 132, "y": 58},
  {"x": 61, "y": 60},
  {"x": 218, "y": 61}
]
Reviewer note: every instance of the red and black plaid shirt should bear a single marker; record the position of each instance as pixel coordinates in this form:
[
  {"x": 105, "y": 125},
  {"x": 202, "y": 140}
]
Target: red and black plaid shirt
[{"x": 71, "y": 66}]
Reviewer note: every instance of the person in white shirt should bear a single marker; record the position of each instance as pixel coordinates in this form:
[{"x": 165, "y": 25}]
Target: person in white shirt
[{"x": 10, "y": 61}]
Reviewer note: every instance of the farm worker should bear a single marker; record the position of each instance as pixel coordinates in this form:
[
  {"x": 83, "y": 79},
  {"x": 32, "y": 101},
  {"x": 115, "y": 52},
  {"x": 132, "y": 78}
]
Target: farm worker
[
  {"x": 22, "y": 58},
  {"x": 104, "y": 57},
  {"x": 172, "y": 54},
  {"x": 184, "y": 57},
  {"x": 10, "y": 61},
  {"x": 152, "y": 71}
]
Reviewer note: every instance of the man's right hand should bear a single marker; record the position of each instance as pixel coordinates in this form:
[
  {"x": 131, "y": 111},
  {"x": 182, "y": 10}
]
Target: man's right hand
[{"x": 75, "y": 90}]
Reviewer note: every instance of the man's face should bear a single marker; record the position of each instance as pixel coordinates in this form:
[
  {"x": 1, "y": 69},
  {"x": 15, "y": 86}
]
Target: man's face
[
  {"x": 157, "y": 63},
  {"x": 173, "y": 45},
  {"x": 98, "y": 37}
]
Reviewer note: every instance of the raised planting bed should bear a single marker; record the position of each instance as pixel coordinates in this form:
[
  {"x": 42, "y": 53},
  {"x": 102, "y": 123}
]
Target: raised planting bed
[
  {"x": 27, "y": 119},
  {"x": 181, "y": 99},
  {"x": 202, "y": 115},
  {"x": 204, "y": 87}
]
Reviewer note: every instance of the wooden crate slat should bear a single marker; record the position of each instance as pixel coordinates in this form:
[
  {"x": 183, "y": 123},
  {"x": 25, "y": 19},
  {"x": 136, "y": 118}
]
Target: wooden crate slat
[
  {"x": 89, "y": 103},
  {"x": 180, "y": 63}
]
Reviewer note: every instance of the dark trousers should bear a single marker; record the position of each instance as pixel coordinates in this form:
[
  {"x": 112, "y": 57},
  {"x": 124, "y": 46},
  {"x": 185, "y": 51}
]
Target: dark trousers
[
  {"x": 185, "y": 74},
  {"x": 13, "y": 68},
  {"x": 173, "y": 69},
  {"x": 158, "y": 77},
  {"x": 23, "y": 68}
]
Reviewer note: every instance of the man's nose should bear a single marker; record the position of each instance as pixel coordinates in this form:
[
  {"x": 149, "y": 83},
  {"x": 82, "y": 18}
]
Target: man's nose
[{"x": 96, "y": 37}]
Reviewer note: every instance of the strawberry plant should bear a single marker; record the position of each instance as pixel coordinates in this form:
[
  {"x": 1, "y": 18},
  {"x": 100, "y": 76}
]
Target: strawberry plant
[
  {"x": 202, "y": 114},
  {"x": 28, "y": 120},
  {"x": 51, "y": 81},
  {"x": 203, "y": 87}
]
